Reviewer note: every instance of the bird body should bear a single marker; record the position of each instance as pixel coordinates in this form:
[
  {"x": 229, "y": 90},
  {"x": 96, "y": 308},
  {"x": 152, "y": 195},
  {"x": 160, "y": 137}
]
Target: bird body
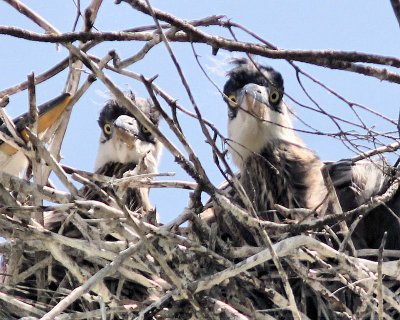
[{"x": 285, "y": 174}]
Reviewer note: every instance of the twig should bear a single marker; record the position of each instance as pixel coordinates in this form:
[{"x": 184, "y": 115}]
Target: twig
[
  {"x": 380, "y": 279},
  {"x": 396, "y": 9}
]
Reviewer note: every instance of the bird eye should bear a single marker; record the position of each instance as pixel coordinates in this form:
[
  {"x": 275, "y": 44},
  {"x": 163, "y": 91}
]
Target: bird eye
[
  {"x": 274, "y": 96},
  {"x": 232, "y": 101},
  {"x": 107, "y": 129}
]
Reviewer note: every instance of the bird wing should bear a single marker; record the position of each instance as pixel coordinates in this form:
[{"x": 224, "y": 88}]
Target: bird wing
[{"x": 356, "y": 183}]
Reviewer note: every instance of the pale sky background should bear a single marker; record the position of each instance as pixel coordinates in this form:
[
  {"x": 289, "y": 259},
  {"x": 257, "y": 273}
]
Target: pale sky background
[{"x": 363, "y": 26}]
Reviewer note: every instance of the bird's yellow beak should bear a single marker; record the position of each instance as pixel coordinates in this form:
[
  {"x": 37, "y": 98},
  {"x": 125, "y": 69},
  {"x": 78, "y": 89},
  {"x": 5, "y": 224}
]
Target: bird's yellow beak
[{"x": 49, "y": 113}]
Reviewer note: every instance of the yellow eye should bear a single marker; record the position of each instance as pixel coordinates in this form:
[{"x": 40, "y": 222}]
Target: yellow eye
[
  {"x": 274, "y": 96},
  {"x": 232, "y": 101},
  {"x": 107, "y": 129},
  {"x": 145, "y": 130}
]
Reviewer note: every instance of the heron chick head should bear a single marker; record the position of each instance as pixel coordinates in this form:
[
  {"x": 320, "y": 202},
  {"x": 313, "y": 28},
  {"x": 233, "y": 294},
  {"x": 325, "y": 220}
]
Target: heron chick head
[
  {"x": 123, "y": 138},
  {"x": 257, "y": 114}
]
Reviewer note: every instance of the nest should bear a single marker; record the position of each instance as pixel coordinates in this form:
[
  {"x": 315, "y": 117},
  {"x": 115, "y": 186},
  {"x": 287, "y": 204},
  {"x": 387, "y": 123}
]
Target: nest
[
  {"x": 91, "y": 259},
  {"x": 69, "y": 255}
]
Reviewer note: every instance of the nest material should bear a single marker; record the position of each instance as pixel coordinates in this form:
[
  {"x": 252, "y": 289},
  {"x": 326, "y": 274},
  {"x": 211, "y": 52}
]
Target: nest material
[{"x": 175, "y": 272}]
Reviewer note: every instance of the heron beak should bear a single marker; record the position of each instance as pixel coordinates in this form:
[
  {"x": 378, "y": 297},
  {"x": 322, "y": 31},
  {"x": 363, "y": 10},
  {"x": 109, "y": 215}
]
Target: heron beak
[
  {"x": 49, "y": 113},
  {"x": 254, "y": 99},
  {"x": 126, "y": 130}
]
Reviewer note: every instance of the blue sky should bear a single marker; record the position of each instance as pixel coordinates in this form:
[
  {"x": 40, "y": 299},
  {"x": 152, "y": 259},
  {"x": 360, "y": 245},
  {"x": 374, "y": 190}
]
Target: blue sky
[{"x": 363, "y": 26}]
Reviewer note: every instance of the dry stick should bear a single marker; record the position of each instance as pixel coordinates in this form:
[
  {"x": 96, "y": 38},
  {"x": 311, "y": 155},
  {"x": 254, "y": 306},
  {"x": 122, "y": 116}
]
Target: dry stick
[
  {"x": 388, "y": 148},
  {"x": 320, "y": 56},
  {"x": 334, "y": 302},
  {"x": 162, "y": 184},
  {"x": 101, "y": 274},
  {"x": 33, "y": 111},
  {"x": 350, "y": 104},
  {"x": 217, "y": 42},
  {"x": 44, "y": 76},
  {"x": 299, "y": 70},
  {"x": 336, "y": 207},
  {"x": 72, "y": 85},
  {"x": 4, "y": 101},
  {"x": 147, "y": 47},
  {"x": 92, "y": 186},
  {"x": 10, "y": 125},
  {"x": 32, "y": 270},
  {"x": 38, "y": 79},
  {"x": 142, "y": 118},
  {"x": 112, "y": 312},
  {"x": 233, "y": 181},
  {"x": 37, "y": 217},
  {"x": 396, "y": 9},
  {"x": 341, "y": 135},
  {"x": 284, "y": 248},
  {"x": 133, "y": 34},
  {"x": 349, "y": 233},
  {"x": 335, "y": 119},
  {"x": 268, "y": 241},
  {"x": 31, "y": 188},
  {"x": 230, "y": 312},
  {"x": 183, "y": 292},
  {"x": 351, "y": 285},
  {"x": 53, "y": 164},
  {"x": 206, "y": 133},
  {"x": 35, "y": 158},
  {"x": 76, "y": 270},
  {"x": 76, "y": 65},
  {"x": 316, "y": 223},
  {"x": 98, "y": 276},
  {"x": 331, "y": 59},
  {"x": 21, "y": 305},
  {"x": 380, "y": 277},
  {"x": 156, "y": 39},
  {"x": 13, "y": 262},
  {"x": 61, "y": 65}
]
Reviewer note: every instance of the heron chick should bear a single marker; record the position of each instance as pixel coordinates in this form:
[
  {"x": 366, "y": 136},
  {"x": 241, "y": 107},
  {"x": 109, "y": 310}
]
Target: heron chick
[
  {"x": 127, "y": 145},
  {"x": 277, "y": 168},
  {"x": 275, "y": 165}
]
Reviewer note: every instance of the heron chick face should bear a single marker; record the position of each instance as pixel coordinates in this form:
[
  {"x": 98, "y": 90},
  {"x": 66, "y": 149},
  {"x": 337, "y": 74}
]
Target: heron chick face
[
  {"x": 257, "y": 115},
  {"x": 123, "y": 139}
]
